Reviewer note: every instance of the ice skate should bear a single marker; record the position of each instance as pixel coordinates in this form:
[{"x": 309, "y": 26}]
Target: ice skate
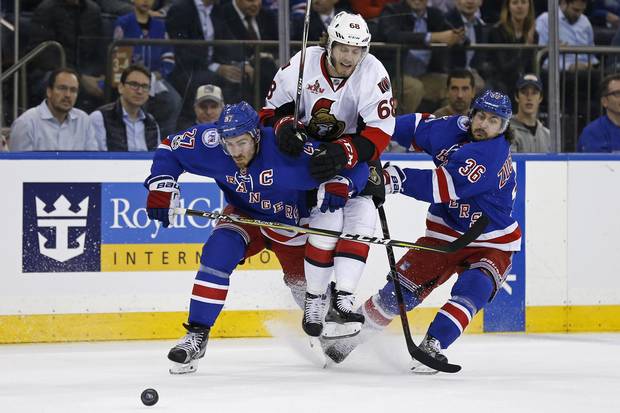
[
  {"x": 431, "y": 346},
  {"x": 337, "y": 350},
  {"x": 341, "y": 321},
  {"x": 314, "y": 308},
  {"x": 185, "y": 355}
]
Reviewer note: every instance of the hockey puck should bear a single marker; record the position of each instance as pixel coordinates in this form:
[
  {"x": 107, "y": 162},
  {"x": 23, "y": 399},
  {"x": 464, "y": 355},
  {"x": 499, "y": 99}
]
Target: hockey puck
[{"x": 149, "y": 397}]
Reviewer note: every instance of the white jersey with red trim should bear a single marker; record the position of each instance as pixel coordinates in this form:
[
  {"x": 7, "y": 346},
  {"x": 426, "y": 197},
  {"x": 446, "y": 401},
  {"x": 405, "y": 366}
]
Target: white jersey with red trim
[
  {"x": 471, "y": 178},
  {"x": 332, "y": 107}
]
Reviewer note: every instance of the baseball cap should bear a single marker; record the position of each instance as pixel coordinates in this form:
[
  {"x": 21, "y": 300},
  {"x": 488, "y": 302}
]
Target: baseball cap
[
  {"x": 209, "y": 92},
  {"x": 529, "y": 79}
]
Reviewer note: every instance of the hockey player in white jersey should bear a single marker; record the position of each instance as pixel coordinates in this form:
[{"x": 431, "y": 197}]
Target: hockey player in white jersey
[{"x": 347, "y": 104}]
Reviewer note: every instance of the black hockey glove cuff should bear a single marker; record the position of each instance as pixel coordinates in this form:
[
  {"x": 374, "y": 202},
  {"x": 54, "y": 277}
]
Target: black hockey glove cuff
[
  {"x": 329, "y": 159},
  {"x": 290, "y": 138}
]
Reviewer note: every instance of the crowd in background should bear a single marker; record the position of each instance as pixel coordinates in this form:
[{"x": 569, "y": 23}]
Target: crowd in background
[{"x": 162, "y": 88}]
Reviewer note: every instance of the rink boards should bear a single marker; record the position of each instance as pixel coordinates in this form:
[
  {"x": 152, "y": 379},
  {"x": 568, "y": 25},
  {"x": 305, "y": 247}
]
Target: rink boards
[{"x": 81, "y": 261}]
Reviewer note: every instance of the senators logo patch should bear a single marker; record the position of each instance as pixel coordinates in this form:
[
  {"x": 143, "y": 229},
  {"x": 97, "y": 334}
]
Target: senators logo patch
[
  {"x": 323, "y": 124},
  {"x": 374, "y": 176}
]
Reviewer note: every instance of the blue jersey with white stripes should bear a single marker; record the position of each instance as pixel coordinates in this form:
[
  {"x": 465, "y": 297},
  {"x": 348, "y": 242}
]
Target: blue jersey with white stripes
[
  {"x": 471, "y": 178},
  {"x": 273, "y": 186}
]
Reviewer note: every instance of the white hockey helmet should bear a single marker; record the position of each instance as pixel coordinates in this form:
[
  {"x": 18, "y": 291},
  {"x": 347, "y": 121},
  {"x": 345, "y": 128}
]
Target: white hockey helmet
[{"x": 350, "y": 29}]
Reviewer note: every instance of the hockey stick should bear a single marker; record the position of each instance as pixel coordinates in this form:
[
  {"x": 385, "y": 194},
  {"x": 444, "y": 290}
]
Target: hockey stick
[
  {"x": 414, "y": 350},
  {"x": 302, "y": 62},
  {"x": 455, "y": 245}
]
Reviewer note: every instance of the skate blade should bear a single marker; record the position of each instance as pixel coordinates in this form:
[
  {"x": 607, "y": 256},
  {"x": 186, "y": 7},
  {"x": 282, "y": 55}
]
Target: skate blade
[
  {"x": 335, "y": 331},
  {"x": 422, "y": 370},
  {"x": 317, "y": 350},
  {"x": 181, "y": 368}
]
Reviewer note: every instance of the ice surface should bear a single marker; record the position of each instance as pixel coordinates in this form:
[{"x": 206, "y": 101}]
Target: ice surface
[{"x": 502, "y": 373}]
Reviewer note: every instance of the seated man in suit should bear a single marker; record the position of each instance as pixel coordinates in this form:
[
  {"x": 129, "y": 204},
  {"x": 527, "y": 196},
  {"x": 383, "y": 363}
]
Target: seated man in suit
[
  {"x": 414, "y": 24},
  {"x": 195, "y": 66},
  {"x": 247, "y": 20},
  {"x": 323, "y": 11},
  {"x": 466, "y": 15}
]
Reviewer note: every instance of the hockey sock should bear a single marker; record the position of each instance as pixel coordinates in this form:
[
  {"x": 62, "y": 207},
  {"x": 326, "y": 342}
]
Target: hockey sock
[
  {"x": 220, "y": 255},
  {"x": 349, "y": 263},
  {"x": 470, "y": 294},
  {"x": 382, "y": 307},
  {"x": 318, "y": 267}
]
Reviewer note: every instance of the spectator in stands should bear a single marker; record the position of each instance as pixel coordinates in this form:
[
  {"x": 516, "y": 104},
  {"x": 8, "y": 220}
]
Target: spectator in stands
[
  {"x": 530, "y": 134},
  {"x": 323, "y": 11},
  {"x": 165, "y": 103},
  {"x": 460, "y": 91},
  {"x": 603, "y": 134},
  {"x": 55, "y": 125},
  {"x": 606, "y": 13},
  {"x": 122, "y": 7},
  {"x": 424, "y": 71},
  {"x": 208, "y": 104},
  {"x": 124, "y": 125},
  {"x": 575, "y": 30},
  {"x": 490, "y": 11},
  {"x": 443, "y": 5},
  {"x": 195, "y": 66},
  {"x": 4, "y": 139},
  {"x": 77, "y": 26},
  {"x": 516, "y": 26},
  {"x": 369, "y": 9},
  {"x": 247, "y": 20},
  {"x": 466, "y": 14}
]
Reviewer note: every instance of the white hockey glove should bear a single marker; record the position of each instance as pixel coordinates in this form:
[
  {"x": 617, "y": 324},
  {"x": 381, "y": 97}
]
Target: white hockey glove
[
  {"x": 333, "y": 194},
  {"x": 393, "y": 178},
  {"x": 163, "y": 198}
]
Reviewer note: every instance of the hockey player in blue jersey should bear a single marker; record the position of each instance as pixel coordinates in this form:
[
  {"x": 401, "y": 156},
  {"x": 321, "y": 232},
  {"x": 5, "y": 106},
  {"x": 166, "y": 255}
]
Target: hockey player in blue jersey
[
  {"x": 473, "y": 176},
  {"x": 257, "y": 182}
]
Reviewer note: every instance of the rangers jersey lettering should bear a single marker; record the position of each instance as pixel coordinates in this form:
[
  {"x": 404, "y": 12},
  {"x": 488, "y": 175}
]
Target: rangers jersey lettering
[
  {"x": 273, "y": 186},
  {"x": 332, "y": 107},
  {"x": 471, "y": 178}
]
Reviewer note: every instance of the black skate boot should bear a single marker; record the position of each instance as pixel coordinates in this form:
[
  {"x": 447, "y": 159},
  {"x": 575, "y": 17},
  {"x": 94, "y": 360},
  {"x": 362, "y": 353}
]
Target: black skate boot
[
  {"x": 431, "y": 346},
  {"x": 314, "y": 307},
  {"x": 185, "y": 355},
  {"x": 341, "y": 321}
]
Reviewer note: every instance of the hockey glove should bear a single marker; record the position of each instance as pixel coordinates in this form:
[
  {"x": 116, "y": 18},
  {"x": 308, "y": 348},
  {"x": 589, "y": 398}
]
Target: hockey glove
[
  {"x": 290, "y": 138},
  {"x": 375, "y": 187},
  {"x": 332, "y": 157},
  {"x": 333, "y": 194},
  {"x": 393, "y": 178},
  {"x": 163, "y": 198}
]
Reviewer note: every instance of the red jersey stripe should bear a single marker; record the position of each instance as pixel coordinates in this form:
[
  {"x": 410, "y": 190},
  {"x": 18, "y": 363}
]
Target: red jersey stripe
[{"x": 207, "y": 292}]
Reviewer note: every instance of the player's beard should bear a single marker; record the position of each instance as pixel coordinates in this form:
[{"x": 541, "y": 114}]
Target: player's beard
[
  {"x": 479, "y": 134},
  {"x": 241, "y": 162}
]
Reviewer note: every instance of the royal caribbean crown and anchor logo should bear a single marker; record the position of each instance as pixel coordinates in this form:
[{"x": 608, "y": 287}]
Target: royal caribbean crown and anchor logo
[{"x": 62, "y": 227}]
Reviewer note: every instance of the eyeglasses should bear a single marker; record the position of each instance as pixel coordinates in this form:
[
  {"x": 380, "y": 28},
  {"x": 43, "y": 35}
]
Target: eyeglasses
[
  {"x": 138, "y": 86},
  {"x": 615, "y": 93},
  {"x": 63, "y": 88}
]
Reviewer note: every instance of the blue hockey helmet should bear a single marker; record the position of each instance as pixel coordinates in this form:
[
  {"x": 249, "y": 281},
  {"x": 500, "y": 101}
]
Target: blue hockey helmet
[
  {"x": 237, "y": 119},
  {"x": 494, "y": 102}
]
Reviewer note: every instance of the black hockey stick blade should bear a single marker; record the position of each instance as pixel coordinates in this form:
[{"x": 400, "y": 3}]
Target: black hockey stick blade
[
  {"x": 414, "y": 351},
  {"x": 429, "y": 361}
]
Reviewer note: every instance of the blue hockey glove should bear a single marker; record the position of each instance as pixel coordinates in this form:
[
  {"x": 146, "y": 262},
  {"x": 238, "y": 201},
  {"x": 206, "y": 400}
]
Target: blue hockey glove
[
  {"x": 290, "y": 138},
  {"x": 163, "y": 198},
  {"x": 393, "y": 178},
  {"x": 333, "y": 194}
]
